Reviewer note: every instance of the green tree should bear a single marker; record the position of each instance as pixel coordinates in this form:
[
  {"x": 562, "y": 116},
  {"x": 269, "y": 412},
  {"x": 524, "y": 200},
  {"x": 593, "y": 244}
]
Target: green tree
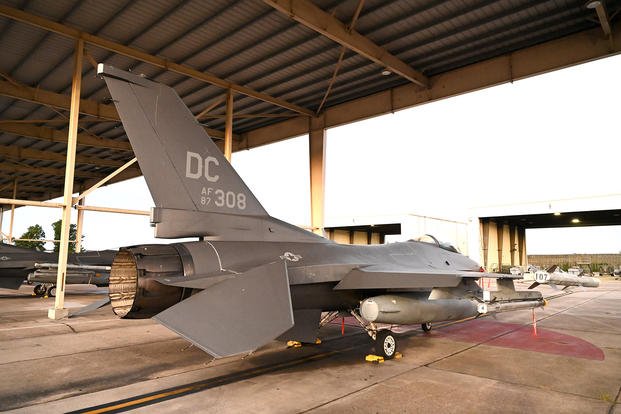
[
  {"x": 33, "y": 233},
  {"x": 57, "y": 226}
]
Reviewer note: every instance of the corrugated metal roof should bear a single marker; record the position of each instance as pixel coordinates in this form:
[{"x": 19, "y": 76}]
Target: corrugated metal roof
[{"x": 251, "y": 44}]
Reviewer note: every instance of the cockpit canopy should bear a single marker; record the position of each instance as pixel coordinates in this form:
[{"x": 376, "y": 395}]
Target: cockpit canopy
[{"x": 428, "y": 238}]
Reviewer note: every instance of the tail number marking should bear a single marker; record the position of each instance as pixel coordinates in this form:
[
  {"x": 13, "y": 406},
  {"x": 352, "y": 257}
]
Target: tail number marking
[
  {"x": 223, "y": 198},
  {"x": 230, "y": 199}
]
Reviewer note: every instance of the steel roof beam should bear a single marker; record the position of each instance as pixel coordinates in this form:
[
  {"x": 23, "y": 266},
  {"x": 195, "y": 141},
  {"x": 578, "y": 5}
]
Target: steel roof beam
[
  {"x": 21, "y": 153},
  {"x": 318, "y": 20},
  {"x": 542, "y": 58},
  {"x": 29, "y": 189},
  {"x": 133, "y": 53},
  {"x": 54, "y": 135},
  {"x": 124, "y": 175},
  {"x": 57, "y": 100},
  {"x": 105, "y": 180},
  {"x": 32, "y": 169},
  {"x": 55, "y": 190},
  {"x": 60, "y": 101},
  {"x": 602, "y": 15}
]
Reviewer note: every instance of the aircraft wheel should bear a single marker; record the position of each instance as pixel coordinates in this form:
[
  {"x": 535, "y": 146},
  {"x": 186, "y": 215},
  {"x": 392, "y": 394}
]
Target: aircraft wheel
[
  {"x": 426, "y": 326},
  {"x": 39, "y": 290},
  {"x": 51, "y": 292},
  {"x": 386, "y": 344}
]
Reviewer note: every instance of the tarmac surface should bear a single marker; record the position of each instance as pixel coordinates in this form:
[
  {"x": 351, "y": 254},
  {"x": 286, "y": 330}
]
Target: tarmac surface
[{"x": 99, "y": 363}]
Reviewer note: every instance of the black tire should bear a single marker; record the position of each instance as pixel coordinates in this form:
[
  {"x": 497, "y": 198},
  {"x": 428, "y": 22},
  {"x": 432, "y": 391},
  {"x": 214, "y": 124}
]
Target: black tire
[
  {"x": 385, "y": 344},
  {"x": 39, "y": 290},
  {"x": 51, "y": 291},
  {"x": 426, "y": 326}
]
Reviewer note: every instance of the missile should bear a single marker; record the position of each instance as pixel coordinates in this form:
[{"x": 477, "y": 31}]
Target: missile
[
  {"x": 73, "y": 267},
  {"x": 563, "y": 279},
  {"x": 497, "y": 307}
]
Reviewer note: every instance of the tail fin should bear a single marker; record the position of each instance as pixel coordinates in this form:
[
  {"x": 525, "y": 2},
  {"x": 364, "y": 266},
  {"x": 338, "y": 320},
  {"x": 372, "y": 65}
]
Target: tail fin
[
  {"x": 195, "y": 189},
  {"x": 183, "y": 167}
]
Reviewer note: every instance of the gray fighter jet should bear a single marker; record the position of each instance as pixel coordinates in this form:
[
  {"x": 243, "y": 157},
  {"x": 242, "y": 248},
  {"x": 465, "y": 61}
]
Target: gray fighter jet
[
  {"x": 252, "y": 278},
  {"x": 555, "y": 276},
  {"x": 18, "y": 264}
]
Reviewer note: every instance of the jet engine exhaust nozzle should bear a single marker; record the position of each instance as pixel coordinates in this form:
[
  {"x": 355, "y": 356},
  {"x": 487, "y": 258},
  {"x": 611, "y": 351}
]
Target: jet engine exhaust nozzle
[{"x": 134, "y": 292}]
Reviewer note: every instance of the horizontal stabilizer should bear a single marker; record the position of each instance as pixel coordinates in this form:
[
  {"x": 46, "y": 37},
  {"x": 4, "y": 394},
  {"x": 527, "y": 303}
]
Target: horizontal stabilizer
[
  {"x": 14, "y": 280},
  {"x": 89, "y": 308},
  {"x": 237, "y": 315}
]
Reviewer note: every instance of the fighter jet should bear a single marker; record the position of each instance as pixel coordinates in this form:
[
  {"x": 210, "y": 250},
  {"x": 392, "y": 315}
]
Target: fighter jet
[
  {"x": 555, "y": 276},
  {"x": 39, "y": 268},
  {"x": 251, "y": 278}
]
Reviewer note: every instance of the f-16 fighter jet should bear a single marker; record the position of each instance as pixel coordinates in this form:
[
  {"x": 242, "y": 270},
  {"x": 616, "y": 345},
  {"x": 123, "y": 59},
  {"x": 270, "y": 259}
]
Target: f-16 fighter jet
[
  {"x": 555, "y": 276},
  {"x": 253, "y": 278},
  {"x": 18, "y": 264}
]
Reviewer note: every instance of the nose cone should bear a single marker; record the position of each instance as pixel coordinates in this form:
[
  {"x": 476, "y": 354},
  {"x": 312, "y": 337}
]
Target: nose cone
[{"x": 369, "y": 310}]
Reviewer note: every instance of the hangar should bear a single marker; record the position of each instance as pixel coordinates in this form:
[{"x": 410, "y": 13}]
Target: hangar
[
  {"x": 500, "y": 231},
  {"x": 255, "y": 72}
]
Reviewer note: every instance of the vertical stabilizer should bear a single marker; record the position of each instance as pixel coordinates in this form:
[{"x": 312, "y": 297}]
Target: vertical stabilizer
[
  {"x": 195, "y": 189},
  {"x": 183, "y": 167}
]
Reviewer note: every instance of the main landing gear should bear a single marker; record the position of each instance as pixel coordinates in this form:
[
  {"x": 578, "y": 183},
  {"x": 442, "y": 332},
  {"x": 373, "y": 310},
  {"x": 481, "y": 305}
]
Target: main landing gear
[
  {"x": 385, "y": 339},
  {"x": 39, "y": 290},
  {"x": 43, "y": 289},
  {"x": 385, "y": 344}
]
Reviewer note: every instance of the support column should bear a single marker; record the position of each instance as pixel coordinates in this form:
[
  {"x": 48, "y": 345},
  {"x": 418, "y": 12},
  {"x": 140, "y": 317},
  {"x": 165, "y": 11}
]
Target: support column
[
  {"x": 12, "y": 211},
  {"x": 485, "y": 239},
  {"x": 513, "y": 247},
  {"x": 317, "y": 154},
  {"x": 500, "y": 237},
  {"x": 79, "y": 226},
  {"x": 522, "y": 246},
  {"x": 228, "y": 128},
  {"x": 59, "y": 311}
]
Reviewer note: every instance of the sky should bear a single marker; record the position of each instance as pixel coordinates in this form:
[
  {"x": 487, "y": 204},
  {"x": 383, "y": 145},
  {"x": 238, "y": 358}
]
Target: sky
[{"x": 549, "y": 137}]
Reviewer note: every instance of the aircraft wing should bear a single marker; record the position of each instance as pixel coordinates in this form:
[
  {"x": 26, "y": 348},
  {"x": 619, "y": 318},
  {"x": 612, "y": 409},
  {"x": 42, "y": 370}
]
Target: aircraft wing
[
  {"x": 237, "y": 315},
  {"x": 396, "y": 277}
]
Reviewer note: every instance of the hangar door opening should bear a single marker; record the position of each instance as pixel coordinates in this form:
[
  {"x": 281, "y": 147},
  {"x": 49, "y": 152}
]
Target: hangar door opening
[{"x": 504, "y": 241}]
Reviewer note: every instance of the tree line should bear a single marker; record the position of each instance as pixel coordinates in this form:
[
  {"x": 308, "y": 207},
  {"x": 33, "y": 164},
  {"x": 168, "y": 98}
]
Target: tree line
[{"x": 36, "y": 237}]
